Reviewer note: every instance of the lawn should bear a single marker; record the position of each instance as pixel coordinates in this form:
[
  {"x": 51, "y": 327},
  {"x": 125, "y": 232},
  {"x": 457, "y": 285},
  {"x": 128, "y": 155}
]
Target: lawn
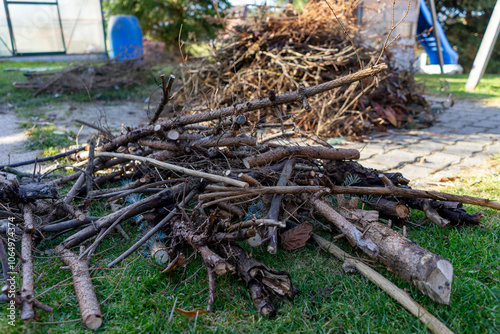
[
  {"x": 137, "y": 297},
  {"x": 441, "y": 85}
]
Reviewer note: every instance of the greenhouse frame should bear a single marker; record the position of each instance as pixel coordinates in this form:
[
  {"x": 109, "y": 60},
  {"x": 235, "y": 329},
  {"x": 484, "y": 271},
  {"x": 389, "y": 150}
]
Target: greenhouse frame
[{"x": 51, "y": 27}]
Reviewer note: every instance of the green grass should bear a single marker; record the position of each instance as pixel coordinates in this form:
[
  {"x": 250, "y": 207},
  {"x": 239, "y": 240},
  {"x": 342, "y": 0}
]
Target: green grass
[
  {"x": 137, "y": 297},
  {"x": 42, "y": 137},
  {"x": 442, "y": 85}
]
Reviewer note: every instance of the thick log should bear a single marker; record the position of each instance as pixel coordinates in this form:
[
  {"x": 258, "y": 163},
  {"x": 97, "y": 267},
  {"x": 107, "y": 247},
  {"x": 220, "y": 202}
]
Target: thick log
[
  {"x": 85, "y": 293},
  {"x": 313, "y": 152},
  {"x": 354, "y": 236},
  {"x": 417, "y": 310},
  {"x": 428, "y": 272},
  {"x": 263, "y": 282},
  {"x": 160, "y": 145}
]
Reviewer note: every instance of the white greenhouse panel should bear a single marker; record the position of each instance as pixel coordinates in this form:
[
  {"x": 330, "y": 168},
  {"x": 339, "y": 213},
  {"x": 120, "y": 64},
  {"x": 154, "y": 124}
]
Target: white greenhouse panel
[
  {"x": 50, "y": 26},
  {"x": 5, "y": 43},
  {"x": 82, "y": 26},
  {"x": 36, "y": 28}
]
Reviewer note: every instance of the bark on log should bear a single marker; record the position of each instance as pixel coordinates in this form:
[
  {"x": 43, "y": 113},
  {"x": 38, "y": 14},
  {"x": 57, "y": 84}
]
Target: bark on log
[
  {"x": 390, "y": 208},
  {"x": 85, "y": 293},
  {"x": 354, "y": 236},
  {"x": 27, "y": 292},
  {"x": 224, "y": 141},
  {"x": 313, "y": 152},
  {"x": 262, "y": 281},
  {"x": 428, "y": 272}
]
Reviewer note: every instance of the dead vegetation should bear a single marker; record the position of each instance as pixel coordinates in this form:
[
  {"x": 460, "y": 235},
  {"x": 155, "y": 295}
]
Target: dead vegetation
[{"x": 270, "y": 51}]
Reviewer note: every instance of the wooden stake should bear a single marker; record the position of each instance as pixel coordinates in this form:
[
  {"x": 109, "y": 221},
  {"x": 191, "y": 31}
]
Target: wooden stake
[
  {"x": 212, "y": 177},
  {"x": 417, "y": 310}
]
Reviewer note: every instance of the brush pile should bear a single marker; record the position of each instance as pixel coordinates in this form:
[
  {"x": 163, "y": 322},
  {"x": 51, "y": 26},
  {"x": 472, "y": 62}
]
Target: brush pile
[
  {"x": 96, "y": 75},
  {"x": 205, "y": 184},
  {"x": 271, "y": 50}
]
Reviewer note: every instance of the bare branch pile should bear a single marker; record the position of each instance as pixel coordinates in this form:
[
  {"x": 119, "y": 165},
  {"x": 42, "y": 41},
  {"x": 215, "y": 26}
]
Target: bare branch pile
[
  {"x": 271, "y": 50},
  {"x": 204, "y": 184},
  {"x": 96, "y": 75}
]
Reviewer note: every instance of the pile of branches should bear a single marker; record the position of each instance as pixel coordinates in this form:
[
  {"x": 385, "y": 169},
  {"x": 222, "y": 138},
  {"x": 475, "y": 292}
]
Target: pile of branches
[
  {"x": 95, "y": 75},
  {"x": 204, "y": 184},
  {"x": 272, "y": 50}
]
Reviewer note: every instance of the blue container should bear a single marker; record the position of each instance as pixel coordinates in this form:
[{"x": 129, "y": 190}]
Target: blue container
[{"x": 124, "y": 37}]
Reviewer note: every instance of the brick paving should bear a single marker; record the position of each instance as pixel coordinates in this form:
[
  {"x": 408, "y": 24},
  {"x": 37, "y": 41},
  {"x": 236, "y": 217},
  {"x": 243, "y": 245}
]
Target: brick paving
[{"x": 464, "y": 136}]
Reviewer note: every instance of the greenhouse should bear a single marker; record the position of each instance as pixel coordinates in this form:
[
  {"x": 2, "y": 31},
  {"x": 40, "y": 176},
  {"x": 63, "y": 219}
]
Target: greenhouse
[{"x": 51, "y": 27}]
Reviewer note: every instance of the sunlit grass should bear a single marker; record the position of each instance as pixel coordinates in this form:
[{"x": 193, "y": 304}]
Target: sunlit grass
[{"x": 488, "y": 88}]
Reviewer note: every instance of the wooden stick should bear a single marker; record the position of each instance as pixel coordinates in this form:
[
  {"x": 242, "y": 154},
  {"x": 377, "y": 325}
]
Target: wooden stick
[
  {"x": 417, "y": 310},
  {"x": 27, "y": 292},
  {"x": 241, "y": 108},
  {"x": 105, "y": 132},
  {"x": 256, "y": 222},
  {"x": 212, "y": 177},
  {"x": 85, "y": 293},
  {"x": 273, "y": 213},
  {"x": 166, "y": 88},
  {"x": 90, "y": 167},
  {"x": 404, "y": 192},
  {"x": 155, "y": 229},
  {"x": 53, "y": 157},
  {"x": 355, "y": 237},
  {"x": 313, "y": 152}
]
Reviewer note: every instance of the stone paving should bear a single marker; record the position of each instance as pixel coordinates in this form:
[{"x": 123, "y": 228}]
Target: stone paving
[{"x": 464, "y": 136}]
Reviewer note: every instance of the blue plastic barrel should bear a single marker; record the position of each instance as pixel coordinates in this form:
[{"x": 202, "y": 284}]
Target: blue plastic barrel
[{"x": 124, "y": 37}]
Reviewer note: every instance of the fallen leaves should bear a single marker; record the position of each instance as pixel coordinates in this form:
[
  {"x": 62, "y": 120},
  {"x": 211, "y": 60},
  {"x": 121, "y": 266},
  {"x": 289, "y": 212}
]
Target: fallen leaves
[{"x": 296, "y": 237}]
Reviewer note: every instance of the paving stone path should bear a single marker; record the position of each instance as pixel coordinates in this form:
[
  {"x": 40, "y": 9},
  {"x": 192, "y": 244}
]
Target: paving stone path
[{"x": 464, "y": 136}]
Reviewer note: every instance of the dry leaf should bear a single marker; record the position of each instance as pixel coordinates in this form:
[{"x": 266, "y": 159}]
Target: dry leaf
[
  {"x": 296, "y": 237},
  {"x": 390, "y": 115},
  {"x": 189, "y": 314}
]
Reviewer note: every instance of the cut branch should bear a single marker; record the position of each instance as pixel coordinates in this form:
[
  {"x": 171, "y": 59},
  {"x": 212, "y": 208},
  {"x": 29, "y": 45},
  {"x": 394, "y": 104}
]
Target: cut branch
[{"x": 85, "y": 293}]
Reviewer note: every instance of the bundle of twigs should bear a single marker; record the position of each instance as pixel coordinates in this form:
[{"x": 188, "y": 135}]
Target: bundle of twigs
[
  {"x": 204, "y": 182},
  {"x": 282, "y": 50},
  {"x": 96, "y": 75}
]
